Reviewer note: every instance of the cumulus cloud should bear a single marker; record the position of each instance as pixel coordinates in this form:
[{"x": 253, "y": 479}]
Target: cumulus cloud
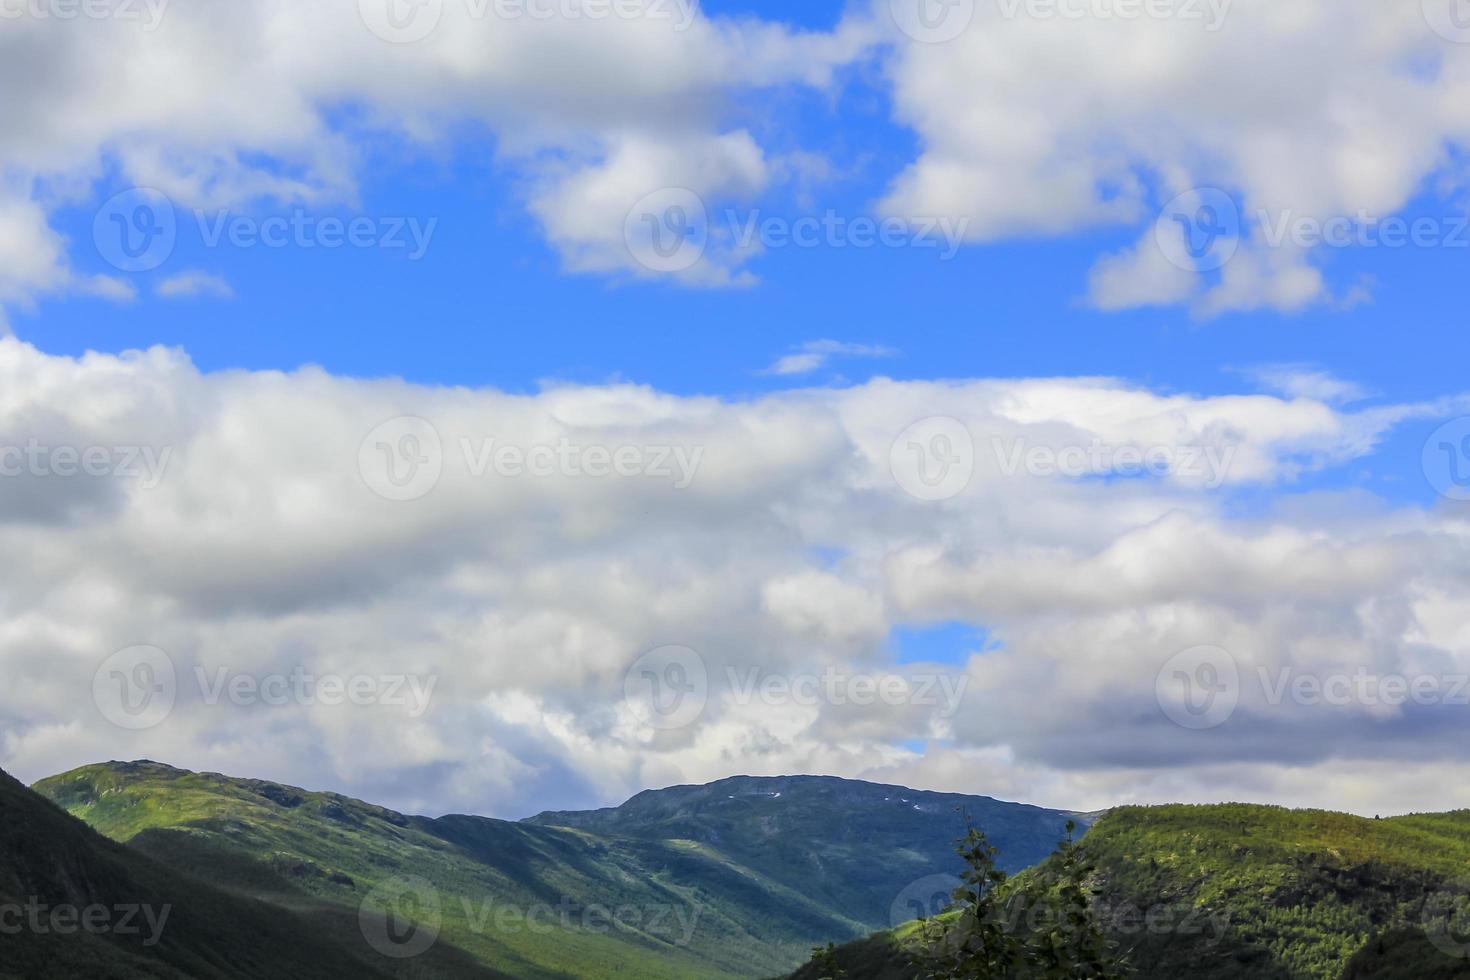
[
  {"x": 216, "y": 104},
  {"x": 1318, "y": 110},
  {"x": 519, "y": 555},
  {"x": 1054, "y": 119}
]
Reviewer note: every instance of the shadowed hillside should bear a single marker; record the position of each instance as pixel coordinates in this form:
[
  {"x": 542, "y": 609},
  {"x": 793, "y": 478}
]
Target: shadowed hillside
[{"x": 76, "y": 904}]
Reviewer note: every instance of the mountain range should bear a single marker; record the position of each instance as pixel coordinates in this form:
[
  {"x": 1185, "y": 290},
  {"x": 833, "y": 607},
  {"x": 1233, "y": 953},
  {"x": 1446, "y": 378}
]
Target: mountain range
[
  {"x": 226, "y": 877},
  {"x": 739, "y": 878}
]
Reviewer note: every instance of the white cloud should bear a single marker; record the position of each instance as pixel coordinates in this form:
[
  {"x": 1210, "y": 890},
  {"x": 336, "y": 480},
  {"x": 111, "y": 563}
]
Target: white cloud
[
  {"x": 221, "y": 103},
  {"x": 250, "y": 540},
  {"x": 815, "y": 354},
  {"x": 1033, "y": 124},
  {"x": 195, "y": 283},
  {"x": 1319, "y": 109},
  {"x": 1306, "y": 381}
]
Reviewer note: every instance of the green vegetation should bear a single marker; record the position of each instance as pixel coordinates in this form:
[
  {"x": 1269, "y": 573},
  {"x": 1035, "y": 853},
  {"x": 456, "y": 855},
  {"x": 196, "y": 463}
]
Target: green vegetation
[
  {"x": 1041, "y": 925},
  {"x": 1237, "y": 891},
  {"x": 152, "y": 921},
  {"x": 849, "y": 845},
  {"x": 736, "y": 879},
  {"x": 741, "y": 878}
]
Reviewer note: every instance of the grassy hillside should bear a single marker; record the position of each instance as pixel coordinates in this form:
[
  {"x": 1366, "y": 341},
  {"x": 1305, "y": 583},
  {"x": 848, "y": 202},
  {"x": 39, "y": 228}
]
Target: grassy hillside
[
  {"x": 76, "y": 904},
  {"x": 689, "y": 907},
  {"x": 1240, "y": 891},
  {"x": 850, "y": 845}
]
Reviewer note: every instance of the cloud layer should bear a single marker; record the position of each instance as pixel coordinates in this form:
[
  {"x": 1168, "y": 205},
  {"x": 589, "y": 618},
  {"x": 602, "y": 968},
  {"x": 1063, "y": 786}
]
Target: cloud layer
[
  {"x": 523, "y": 554},
  {"x": 1032, "y": 119}
]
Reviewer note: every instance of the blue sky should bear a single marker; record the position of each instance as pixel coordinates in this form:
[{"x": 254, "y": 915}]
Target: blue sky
[
  {"x": 490, "y": 302},
  {"x": 805, "y": 547}
]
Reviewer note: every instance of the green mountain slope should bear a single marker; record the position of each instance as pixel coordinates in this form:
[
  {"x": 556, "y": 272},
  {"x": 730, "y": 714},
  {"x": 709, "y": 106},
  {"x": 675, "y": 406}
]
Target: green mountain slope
[
  {"x": 75, "y": 904},
  {"x": 1236, "y": 891},
  {"x": 853, "y": 846},
  {"x": 676, "y": 884}
]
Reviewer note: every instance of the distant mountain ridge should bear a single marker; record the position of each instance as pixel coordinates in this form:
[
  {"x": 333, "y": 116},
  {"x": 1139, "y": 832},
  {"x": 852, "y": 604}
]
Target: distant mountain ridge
[
  {"x": 739, "y": 878},
  {"x": 846, "y": 842}
]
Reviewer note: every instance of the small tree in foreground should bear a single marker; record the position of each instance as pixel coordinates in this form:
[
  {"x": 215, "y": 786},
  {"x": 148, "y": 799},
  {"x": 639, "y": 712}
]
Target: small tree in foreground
[
  {"x": 825, "y": 960},
  {"x": 1042, "y": 927}
]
